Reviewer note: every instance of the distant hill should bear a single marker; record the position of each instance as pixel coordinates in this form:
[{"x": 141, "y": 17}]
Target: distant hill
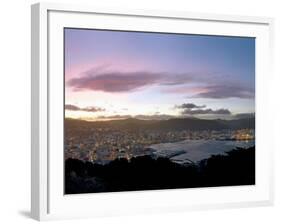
[{"x": 175, "y": 124}]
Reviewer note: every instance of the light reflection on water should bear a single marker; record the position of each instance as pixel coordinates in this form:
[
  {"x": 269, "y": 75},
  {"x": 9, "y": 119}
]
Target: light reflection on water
[{"x": 196, "y": 150}]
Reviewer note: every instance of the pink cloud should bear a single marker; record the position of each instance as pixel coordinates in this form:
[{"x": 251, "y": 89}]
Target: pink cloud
[
  {"x": 114, "y": 82},
  {"x": 103, "y": 78}
]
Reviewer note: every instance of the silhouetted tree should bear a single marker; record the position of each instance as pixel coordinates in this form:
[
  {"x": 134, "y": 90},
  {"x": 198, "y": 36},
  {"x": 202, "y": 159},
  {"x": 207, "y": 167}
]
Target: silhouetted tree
[{"x": 236, "y": 167}]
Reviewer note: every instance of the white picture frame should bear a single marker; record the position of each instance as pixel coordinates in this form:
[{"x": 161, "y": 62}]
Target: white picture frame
[{"x": 47, "y": 198}]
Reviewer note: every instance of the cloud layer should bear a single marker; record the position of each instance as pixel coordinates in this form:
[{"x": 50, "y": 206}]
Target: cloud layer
[
  {"x": 86, "y": 109},
  {"x": 206, "y": 111},
  {"x": 226, "y": 91},
  {"x": 204, "y": 86},
  {"x": 190, "y": 106},
  {"x": 193, "y": 109},
  {"x": 114, "y": 81}
]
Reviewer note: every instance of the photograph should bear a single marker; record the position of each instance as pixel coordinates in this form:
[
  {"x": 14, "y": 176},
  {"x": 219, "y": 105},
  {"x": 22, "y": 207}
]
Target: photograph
[{"x": 157, "y": 110}]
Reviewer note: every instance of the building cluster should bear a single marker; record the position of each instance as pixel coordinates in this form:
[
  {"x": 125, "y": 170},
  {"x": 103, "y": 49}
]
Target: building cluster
[{"x": 102, "y": 145}]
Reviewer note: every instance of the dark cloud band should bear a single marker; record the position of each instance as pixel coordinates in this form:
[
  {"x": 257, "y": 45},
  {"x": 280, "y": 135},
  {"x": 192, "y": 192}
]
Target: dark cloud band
[
  {"x": 190, "y": 106},
  {"x": 87, "y": 109},
  {"x": 206, "y": 111},
  {"x": 193, "y": 109}
]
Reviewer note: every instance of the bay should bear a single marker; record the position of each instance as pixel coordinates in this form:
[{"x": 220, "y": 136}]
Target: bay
[{"x": 193, "y": 151}]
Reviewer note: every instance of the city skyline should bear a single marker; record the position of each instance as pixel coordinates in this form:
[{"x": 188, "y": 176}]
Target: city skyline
[{"x": 120, "y": 74}]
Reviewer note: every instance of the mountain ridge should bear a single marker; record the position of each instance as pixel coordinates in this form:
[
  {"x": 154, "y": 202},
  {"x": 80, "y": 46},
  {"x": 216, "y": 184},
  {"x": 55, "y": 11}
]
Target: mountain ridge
[{"x": 175, "y": 124}]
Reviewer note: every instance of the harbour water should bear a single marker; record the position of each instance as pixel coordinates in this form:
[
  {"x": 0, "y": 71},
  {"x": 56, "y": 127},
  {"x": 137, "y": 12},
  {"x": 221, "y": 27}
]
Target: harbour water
[{"x": 193, "y": 151}]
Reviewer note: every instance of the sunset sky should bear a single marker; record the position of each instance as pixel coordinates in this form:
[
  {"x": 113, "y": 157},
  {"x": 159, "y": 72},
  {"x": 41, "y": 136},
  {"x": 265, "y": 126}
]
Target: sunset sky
[{"x": 117, "y": 74}]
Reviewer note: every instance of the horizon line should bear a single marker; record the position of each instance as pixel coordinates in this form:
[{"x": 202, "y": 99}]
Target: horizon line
[{"x": 133, "y": 118}]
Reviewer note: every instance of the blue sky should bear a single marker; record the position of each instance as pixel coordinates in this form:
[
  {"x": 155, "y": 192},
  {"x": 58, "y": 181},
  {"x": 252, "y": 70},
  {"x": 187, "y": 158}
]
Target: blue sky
[{"x": 153, "y": 74}]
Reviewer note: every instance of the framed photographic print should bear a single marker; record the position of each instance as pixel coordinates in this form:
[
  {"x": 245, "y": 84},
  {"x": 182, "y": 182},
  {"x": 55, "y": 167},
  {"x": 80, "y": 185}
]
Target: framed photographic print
[{"x": 144, "y": 111}]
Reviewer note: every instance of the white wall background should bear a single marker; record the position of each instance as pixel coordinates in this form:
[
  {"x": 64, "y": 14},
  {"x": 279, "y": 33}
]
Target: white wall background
[{"x": 15, "y": 110}]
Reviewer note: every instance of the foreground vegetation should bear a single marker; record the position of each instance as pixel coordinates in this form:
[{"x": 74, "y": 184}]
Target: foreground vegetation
[{"x": 236, "y": 167}]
